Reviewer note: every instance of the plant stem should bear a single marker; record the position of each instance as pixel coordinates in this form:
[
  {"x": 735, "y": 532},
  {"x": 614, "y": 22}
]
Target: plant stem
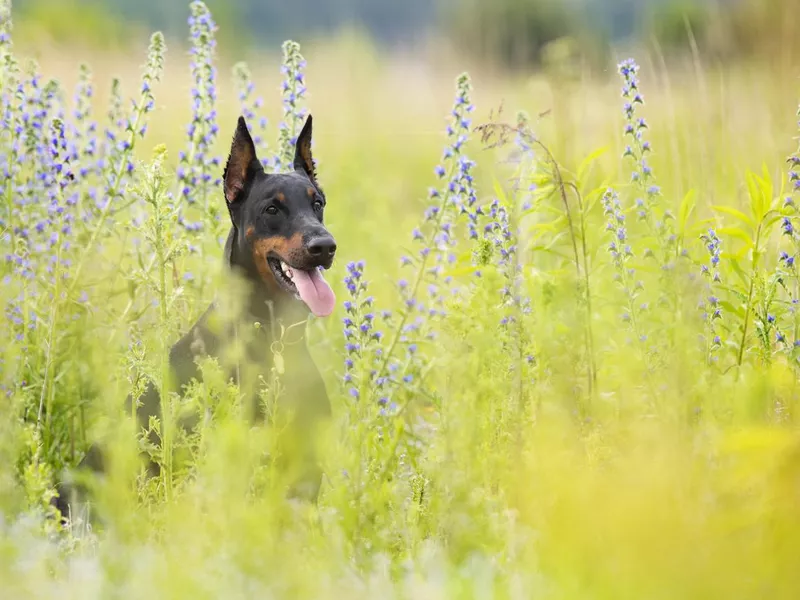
[
  {"x": 418, "y": 279},
  {"x": 748, "y": 308},
  {"x": 112, "y": 193},
  {"x": 165, "y": 388}
]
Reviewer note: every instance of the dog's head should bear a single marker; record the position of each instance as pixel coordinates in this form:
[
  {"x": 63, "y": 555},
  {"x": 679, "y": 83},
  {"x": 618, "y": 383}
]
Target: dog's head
[{"x": 278, "y": 238}]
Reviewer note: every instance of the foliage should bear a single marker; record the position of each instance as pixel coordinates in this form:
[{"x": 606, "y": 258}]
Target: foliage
[
  {"x": 513, "y": 31},
  {"x": 677, "y": 24},
  {"x": 725, "y": 30},
  {"x": 567, "y": 385},
  {"x": 70, "y": 22}
]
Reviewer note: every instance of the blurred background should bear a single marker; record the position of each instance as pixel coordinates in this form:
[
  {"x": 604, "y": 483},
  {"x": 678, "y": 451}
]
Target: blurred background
[{"x": 509, "y": 33}]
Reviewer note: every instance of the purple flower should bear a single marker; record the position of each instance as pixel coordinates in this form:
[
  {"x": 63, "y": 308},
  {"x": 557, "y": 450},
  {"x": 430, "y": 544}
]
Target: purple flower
[{"x": 294, "y": 92}]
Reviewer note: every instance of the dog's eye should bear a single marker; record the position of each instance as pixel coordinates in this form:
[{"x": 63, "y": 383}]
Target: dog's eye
[
  {"x": 271, "y": 210},
  {"x": 318, "y": 205}
]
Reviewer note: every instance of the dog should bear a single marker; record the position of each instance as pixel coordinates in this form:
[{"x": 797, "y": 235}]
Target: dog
[{"x": 278, "y": 246}]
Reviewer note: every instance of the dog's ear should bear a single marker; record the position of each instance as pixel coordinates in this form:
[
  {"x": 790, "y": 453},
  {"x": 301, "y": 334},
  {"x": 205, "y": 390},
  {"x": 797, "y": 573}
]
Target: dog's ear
[
  {"x": 242, "y": 165},
  {"x": 303, "y": 161}
]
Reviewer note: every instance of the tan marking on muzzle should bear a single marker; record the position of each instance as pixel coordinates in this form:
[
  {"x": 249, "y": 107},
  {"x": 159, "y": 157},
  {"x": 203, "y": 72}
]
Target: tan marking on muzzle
[{"x": 279, "y": 246}]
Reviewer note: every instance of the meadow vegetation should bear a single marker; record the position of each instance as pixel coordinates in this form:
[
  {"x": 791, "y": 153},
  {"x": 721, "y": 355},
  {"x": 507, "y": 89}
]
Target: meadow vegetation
[{"x": 563, "y": 364}]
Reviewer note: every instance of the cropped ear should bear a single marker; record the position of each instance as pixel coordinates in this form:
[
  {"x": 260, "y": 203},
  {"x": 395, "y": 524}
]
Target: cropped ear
[
  {"x": 242, "y": 164},
  {"x": 303, "y": 161}
]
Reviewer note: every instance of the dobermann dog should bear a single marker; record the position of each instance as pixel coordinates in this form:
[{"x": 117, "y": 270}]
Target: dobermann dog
[{"x": 278, "y": 246}]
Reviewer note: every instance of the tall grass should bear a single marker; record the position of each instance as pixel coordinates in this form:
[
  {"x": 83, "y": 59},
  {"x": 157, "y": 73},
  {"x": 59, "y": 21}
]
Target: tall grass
[{"x": 564, "y": 362}]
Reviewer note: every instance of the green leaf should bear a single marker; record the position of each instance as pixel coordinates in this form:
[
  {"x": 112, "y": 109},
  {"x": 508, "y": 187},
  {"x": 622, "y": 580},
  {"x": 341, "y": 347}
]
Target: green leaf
[
  {"x": 729, "y": 210},
  {"x": 731, "y": 308},
  {"x": 587, "y": 162},
  {"x": 734, "y": 263},
  {"x": 737, "y": 233},
  {"x": 760, "y": 191},
  {"x": 686, "y": 209},
  {"x": 499, "y": 192},
  {"x": 548, "y": 226},
  {"x": 463, "y": 270},
  {"x": 768, "y": 224}
]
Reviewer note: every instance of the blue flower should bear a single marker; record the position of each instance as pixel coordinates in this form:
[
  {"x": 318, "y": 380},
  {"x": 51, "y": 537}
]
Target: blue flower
[{"x": 294, "y": 92}]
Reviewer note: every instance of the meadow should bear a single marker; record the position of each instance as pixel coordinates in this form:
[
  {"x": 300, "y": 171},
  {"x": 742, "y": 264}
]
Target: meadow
[{"x": 563, "y": 363}]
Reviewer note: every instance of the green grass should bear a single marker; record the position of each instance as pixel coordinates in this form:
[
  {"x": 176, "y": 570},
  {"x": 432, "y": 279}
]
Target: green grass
[{"x": 665, "y": 477}]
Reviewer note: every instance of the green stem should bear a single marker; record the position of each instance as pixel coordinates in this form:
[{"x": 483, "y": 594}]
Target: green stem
[
  {"x": 418, "y": 279},
  {"x": 748, "y": 309},
  {"x": 46, "y": 382},
  {"x": 588, "y": 316},
  {"x": 112, "y": 193},
  {"x": 165, "y": 391}
]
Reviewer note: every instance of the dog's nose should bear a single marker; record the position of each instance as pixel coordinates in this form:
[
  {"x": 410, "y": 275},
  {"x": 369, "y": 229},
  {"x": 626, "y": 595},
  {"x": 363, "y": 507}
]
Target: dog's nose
[{"x": 322, "y": 247}]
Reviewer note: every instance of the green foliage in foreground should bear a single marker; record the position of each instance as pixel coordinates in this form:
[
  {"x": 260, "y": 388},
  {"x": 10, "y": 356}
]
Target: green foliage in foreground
[{"x": 570, "y": 388}]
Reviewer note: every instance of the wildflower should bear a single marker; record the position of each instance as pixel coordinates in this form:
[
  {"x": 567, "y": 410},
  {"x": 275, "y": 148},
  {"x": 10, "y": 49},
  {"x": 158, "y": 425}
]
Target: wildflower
[
  {"x": 360, "y": 330},
  {"x": 794, "y": 165},
  {"x": 250, "y": 104},
  {"x": 711, "y": 303},
  {"x": 621, "y": 255},
  {"x": 197, "y": 164},
  {"x": 294, "y": 91},
  {"x": 642, "y": 175}
]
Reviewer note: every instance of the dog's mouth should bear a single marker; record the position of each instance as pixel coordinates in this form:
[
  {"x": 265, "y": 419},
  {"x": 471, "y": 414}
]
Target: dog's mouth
[{"x": 306, "y": 285}]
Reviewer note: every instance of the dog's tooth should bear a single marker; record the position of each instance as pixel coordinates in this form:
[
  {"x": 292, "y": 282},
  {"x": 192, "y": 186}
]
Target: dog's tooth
[{"x": 286, "y": 270}]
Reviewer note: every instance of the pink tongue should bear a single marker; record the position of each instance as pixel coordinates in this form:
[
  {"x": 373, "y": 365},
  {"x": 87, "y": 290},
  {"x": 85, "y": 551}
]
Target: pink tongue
[{"x": 314, "y": 291}]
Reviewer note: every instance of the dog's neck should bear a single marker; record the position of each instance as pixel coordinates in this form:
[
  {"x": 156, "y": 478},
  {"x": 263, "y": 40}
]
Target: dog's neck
[{"x": 268, "y": 311}]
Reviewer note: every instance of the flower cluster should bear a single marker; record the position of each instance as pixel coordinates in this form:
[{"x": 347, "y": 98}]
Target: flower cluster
[
  {"x": 116, "y": 165},
  {"x": 437, "y": 238},
  {"x": 250, "y": 105},
  {"x": 710, "y": 305},
  {"x": 460, "y": 190},
  {"x": 621, "y": 255},
  {"x": 635, "y": 126},
  {"x": 713, "y": 246},
  {"x": 294, "y": 92},
  {"x": 788, "y": 224},
  {"x": 401, "y": 364},
  {"x": 363, "y": 340},
  {"x": 637, "y": 150},
  {"x": 198, "y": 169},
  {"x": 794, "y": 163},
  {"x": 83, "y": 129},
  {"x": 503, "y": 239}
]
